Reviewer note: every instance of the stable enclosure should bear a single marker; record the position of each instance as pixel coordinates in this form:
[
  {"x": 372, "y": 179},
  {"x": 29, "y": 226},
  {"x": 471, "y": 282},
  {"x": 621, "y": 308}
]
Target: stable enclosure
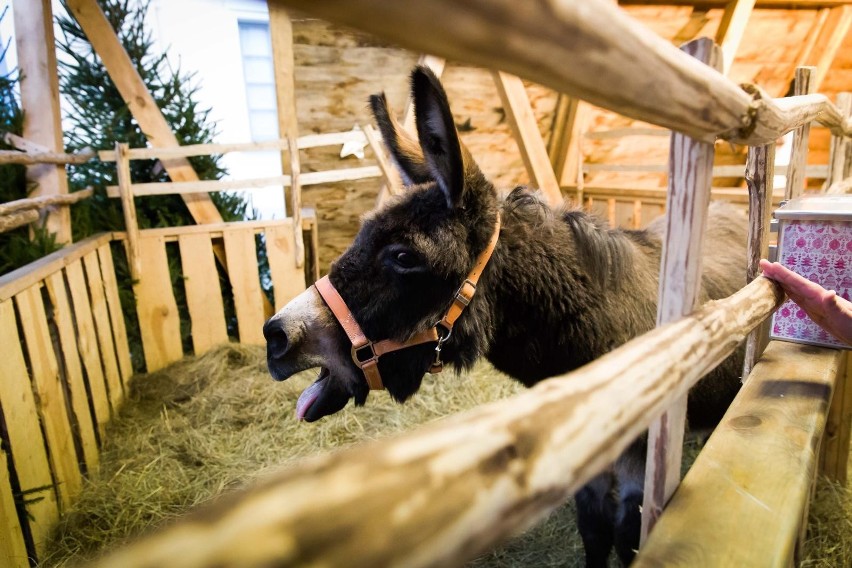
[{"x": 451, "y": 490}]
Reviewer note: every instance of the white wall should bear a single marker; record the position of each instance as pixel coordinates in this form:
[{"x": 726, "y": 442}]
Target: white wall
[{"x": 202, "y": 36}]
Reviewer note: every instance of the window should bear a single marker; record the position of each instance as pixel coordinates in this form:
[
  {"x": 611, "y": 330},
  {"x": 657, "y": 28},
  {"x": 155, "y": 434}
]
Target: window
[{"x": 256, "y": 49}]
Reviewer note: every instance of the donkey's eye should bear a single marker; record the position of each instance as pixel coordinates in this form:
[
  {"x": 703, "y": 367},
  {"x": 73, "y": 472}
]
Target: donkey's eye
[
  {"x": 405, "y": 259},
  {"x": 402, "y": 259}
]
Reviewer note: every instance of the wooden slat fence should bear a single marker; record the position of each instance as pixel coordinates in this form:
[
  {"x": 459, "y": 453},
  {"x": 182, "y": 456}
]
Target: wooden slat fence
[
  {"x": 440, "y": 495},
  {"x": 65, "y": 367}
]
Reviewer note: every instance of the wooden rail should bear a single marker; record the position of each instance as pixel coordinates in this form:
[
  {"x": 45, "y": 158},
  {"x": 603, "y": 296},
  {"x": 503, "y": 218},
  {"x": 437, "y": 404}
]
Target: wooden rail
[
  {"x": 607, "y": 48},
  {"x": 757, "y": 468},
  {"x": 440, "y": 495}
]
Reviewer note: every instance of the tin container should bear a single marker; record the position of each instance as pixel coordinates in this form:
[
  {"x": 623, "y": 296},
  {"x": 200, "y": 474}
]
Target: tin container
[{"x": 815, "y": 241}]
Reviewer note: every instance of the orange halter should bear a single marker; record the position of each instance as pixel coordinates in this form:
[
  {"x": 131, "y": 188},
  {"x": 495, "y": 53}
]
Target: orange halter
[{"x": 366, "y": 353}]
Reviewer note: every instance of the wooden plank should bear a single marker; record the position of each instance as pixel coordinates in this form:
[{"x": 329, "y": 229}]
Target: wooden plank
[
  {"x": 732, "y": 29},
  {"x": 13, "y": 549},
  {"x": 159, "y": 322},
  {"x": 87, "y": 344},
  {"x": 617, "y": 133},
  {"x": 281, "y": 144},
  {"x": 50, "y": 397},
  {"x": 73, "y": 369},
  {"x": 680, "y": 284},
  {"x": 697, "y": 20},
  {"x": 116, "y": 314},
  {"x": 840, "y": 145},
  {"x": 19, "y": 280},
  {"x": 519, "y": 112},
  {"x": 103, "y": 328},
  {"x": 139, "y": 101},
  {"x": 11, "y": 221},
  {"x": 203, "y": 293},
  {"x": 25, "y": 440},
  {"x": 284, "y": 67},
  {"x": 128, "y": 208},
  {"x": 804, "y": 84},
  {"x": 478, "y": 477},
  {"x": 752, "y": 480},
  {"x": 607, "y": 48},
  {"x": 310, "y": 178},
  {"x": 834, "y": 454},
  {"x": 839, "y": 22},
  {"x": 245, "y": 282},
  {"x": 760, "y": 172},
  {"x": 287, "y": 280},
  {"x": 39, "y": 85},
  {"x": 816, "y": 32},
  {"x": 45, "y": 201}
]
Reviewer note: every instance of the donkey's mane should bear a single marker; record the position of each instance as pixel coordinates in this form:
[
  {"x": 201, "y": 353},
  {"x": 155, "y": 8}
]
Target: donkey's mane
[{"x": 607, "y": 254}]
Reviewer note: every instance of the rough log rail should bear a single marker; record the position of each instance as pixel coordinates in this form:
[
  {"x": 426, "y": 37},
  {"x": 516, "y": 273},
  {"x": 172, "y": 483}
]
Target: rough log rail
[
  {"x": 59, "y": 158},
  {"x": 44, "y": 201},
  {"x": 657, "y": 83},
  {"x": 442, "y": 494}
]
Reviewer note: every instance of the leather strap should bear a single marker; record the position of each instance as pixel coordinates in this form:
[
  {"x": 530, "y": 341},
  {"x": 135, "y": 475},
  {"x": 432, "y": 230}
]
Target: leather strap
[{"x": 365, "y": 353}]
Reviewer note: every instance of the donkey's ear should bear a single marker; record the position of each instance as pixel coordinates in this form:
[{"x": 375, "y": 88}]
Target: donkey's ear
[
  {"x": 404, "y": 150},
  {"x": 437, "y": 131}
]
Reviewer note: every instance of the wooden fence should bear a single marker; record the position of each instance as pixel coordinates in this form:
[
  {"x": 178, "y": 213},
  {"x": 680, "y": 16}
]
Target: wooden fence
[{"x": 442, "y": 494}]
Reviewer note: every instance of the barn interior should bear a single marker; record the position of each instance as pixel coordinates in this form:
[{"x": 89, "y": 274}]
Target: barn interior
[{"x": 175, "y": 430}]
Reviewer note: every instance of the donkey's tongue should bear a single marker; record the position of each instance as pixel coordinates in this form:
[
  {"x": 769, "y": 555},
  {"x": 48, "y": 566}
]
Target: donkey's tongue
[{"x": 310, "y": 395}]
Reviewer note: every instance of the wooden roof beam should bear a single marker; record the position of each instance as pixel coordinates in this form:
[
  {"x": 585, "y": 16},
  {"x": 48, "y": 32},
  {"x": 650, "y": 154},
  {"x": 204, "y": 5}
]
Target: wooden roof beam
[{"x": 732, "y": 29}]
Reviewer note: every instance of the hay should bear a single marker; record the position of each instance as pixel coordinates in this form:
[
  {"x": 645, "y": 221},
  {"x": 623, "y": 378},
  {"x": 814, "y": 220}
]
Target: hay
[{"x": 214, "y": 423}]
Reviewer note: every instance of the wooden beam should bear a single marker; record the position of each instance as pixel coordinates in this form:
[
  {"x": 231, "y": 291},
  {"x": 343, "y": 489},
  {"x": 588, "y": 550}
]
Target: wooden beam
[
  {"x": 139, "y": 101},
  {"x": 519, "y": 112},
  {"x": 39, "y": 85},
  {"x": 840, "y": 19},
  {"x": 697, "y": 20},
  {"x": 690, "y": 179},
  {"x": 442, "y": 494},
  {"x": 741, "y": 502},
  {"x": 566, "y": 139},
  {"x": 841, "y": 146},
  {"x": 607, "y": 48},
  {"x": 128, "y": 208},
  {"x": 57, "y": 158},
  {"x": 389, "y": 174},
  {"x": 804, "y": 84},
  {"x": 44, "y": 201},
  {"x": 11, "y": 221},
  {"x": 284, "y": 69},
  {"x": 759, "y": 176},
  {"x": 732, "y": 29}
]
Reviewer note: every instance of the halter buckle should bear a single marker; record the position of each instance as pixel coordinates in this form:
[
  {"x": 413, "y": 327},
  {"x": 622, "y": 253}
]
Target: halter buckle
[{"x": 361, "y": 358}]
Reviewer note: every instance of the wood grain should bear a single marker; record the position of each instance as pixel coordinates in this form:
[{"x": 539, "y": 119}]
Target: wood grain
[
  {"x": 287, "y": 280},
  {"x": 203, "y": 293},
  {"x": 444, "y": 493},
  {"x": 752, "y": 480},
  {"x": 103, "y": 328},
  {"x": 245, "y": 282}
]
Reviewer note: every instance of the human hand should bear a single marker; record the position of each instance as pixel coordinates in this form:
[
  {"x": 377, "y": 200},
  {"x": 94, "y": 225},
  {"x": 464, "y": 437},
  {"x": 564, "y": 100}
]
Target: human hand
[{"x": 824, "y": 307}]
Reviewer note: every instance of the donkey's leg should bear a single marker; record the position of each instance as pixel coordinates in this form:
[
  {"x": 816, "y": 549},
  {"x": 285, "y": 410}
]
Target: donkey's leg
[
  {"x": 630, "y": 478},
  {"x": 595, "y": 519}
]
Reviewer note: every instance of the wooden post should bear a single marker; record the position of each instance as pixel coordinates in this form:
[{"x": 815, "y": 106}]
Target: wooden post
[
  {"x": 690, "y": 179},
  {"x": 284, "y": 64},
  {"x": 40, "y": 101},
  {"x": 838, "y": 160},
  {"x": 516, "y": 103},
  {"x": 128, "y": 207},
  {"x": 760, "y": 172},
  {"x": 804, "y": 85}
]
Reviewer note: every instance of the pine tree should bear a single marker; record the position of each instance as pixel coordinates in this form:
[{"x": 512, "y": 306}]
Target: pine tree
[{"x": 98, "y": 117}]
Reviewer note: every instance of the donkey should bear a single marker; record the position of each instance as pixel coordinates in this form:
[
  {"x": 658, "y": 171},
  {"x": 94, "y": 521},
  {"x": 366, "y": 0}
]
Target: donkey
[{"x": 557, "y": 289}]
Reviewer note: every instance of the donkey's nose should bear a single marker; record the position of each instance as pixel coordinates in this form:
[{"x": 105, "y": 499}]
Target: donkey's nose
[{"x": 277, "y": 343}]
